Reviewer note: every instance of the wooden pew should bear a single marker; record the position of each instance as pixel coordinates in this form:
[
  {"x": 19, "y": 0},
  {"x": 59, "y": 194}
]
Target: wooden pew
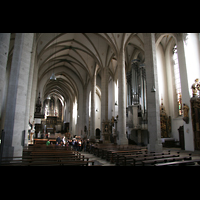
[
  {"x": 43, "y": 141},
  {"x": 51, "y": 158},
  {"x": 48, "y": 157},
  {"x": 126, "y": 159},
  {"x": 95, "y": 149},
  {"x": 41, "y": 154},
  {"x": 139, "y": 160},
  {"x": 50, "y": 163},
  {"x": 195, "y": 162},
  {"x": 164, "y": 160},
  {"x": 114, "y": 154}
]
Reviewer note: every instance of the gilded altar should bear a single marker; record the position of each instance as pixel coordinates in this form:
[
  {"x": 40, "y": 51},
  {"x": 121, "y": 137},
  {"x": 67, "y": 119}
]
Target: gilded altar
[{"x": 165, "y": 122}]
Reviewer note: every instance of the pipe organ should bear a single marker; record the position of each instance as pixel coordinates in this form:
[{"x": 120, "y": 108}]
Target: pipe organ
[{"x": 136, "y": 122}]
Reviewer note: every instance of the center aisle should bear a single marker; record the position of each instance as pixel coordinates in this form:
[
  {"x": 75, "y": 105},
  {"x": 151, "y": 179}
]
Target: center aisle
[{"x": 98, "y": 160}]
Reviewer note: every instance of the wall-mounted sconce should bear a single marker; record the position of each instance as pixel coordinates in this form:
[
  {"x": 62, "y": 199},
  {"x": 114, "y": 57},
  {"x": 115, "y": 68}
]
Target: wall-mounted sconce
[{"x": 153, "y": 89}]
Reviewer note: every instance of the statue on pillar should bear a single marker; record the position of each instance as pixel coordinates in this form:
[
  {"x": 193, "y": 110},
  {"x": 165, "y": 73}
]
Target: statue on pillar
[
  {"x": 32, "y": 130},
  {"x": 195, "y": 87},
  {"x": 185, "y": 113},
  {"x": 165, "y": 122}
]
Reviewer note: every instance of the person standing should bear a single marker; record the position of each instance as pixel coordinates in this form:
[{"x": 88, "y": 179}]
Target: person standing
[
  {"x": 63, "y": 139},
  {"x": 58, "y": 140}
]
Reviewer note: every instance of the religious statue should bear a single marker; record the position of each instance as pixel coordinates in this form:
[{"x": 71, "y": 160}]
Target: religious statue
[
  {"x": 165, "y": 122},
  {"x": 185, "y": 113},
  {"x": 195, "y": 87},
  {"x": 106, "y": 128},
  {"x": 112, "y": 121},
  {"x": 32, "y": 131}
]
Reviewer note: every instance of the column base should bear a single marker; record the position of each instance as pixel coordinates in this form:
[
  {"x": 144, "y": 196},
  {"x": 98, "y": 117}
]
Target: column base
[
  {"x": 92, "y": 138},
  {"x": 122, "y": 141},
  {"x": 155, "y": 148}
]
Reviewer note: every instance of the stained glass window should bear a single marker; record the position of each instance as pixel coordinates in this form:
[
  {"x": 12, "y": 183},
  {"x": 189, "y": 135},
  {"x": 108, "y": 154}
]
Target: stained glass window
[{"x": 177, "y": 81}]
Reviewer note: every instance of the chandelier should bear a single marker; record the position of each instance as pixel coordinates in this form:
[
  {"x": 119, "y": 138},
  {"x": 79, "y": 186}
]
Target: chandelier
[{"x": 53, "y": 77}]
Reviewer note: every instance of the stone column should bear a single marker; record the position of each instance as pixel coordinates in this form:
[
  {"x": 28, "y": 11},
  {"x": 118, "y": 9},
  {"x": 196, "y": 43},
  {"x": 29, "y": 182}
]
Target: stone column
[
  {"x": 188, "y": 130},
  {"x": 4, "y": 50},
  {"x": 155, "y": 144},
  {"x": 104, "y": 99},
  {"x": 33, "y": 92},
  {"x": 17, "y": 95},
  {"x": 84, "y": 122},
  {"x": 104, "y": 94},
  {"x": 30, "y": 83},
  {"x": 93, "y": 92},
  {"x": 122, "y": 139}
]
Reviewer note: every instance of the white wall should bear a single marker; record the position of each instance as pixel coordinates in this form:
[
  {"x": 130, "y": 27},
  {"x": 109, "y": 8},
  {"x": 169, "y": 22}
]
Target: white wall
[
  {"x": 166, "y": 86},
  {"x": 162, "y": 77},
  {"x": 176, "y": 122},
  {"x": 192, "y": 59}
]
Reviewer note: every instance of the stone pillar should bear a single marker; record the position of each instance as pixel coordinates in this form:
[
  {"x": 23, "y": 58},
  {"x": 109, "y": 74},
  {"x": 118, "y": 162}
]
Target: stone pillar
[
  {"x": 30, "y": 83},
  {"x": 17, "y": 95},
  {"x": 33, "y": 92},
  {"x": 93, "y": 92},
  {"x": 4, "y": 50},
  {"x": 104, "y": 99},
  {"x": 155, "y": 143},
  {"x": 188, "y": 130},
  {"x": 104, "y": 94},
  {"x": 122, "y": 139},
  {"x": 84, "y": 122}
]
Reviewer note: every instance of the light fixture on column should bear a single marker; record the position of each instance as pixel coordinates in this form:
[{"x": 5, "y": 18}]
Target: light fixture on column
[{"x": 153, "y": 89}]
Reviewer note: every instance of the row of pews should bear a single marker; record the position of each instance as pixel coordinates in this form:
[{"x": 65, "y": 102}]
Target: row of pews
[
  {"x": 132, "y": 155},
  {"x": 52, "y": 155}
]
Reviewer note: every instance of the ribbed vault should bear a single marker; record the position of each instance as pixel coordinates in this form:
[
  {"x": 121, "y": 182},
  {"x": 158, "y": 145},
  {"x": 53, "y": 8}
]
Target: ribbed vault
[{"x": 80, "y": 55}]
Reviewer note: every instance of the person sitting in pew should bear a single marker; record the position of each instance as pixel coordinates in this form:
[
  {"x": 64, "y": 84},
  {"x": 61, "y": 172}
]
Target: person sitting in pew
[{"x": 48, "y": 143}]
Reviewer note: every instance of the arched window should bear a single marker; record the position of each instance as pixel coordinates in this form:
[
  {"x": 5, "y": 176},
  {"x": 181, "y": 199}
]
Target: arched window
[
  {"x": 75, "y": 111},
  {"x": 116, "y": 93},
  {"x": 177, "y": 81},
  {"x": 90, "y": 104}
]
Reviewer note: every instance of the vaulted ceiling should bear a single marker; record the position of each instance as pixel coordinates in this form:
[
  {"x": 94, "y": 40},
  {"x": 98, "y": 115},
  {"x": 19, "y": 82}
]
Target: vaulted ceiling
[
  {"x": 82, "y": 54},
  {"x": 75, "y": 57}
]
